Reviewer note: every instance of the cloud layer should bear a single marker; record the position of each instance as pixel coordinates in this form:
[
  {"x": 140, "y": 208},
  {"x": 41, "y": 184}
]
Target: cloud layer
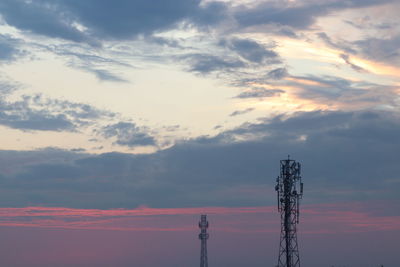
[{"x": 230, "y": 169}]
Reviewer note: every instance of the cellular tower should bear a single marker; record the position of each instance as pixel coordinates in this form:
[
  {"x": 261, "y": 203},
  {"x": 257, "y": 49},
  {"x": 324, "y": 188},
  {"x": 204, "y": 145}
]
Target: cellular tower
[
  {"x": 203, "y": 236},
  {"x": 290, "y": 190}
]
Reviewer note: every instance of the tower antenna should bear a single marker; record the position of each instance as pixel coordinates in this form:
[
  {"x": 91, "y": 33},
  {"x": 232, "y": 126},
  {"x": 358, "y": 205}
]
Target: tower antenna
[
  {"x": 290, "y": 190},
  {"x": 203, "y": 236}
]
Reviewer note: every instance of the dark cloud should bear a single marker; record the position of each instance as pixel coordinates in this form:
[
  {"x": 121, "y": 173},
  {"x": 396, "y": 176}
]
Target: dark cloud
[
  {"x": 128, "y": 134},
  {"x": 352, "y": 152},
  {"x": 82, "y": 57},
  {"x": 106, "y": 75},
  {"x": 300, "y": 16},
  {"x": 346, "y": 59},
  {"x": 41, "y": 17},
  {"x": 252, "y": 51},
  {"x": 368, "y": 22},
  {"x": 92, "y": 20},
  {"x": 380, "y": 49},
  {"x": 339, "y": 45},
  {"x": 123, "y": 19},
  {"x": 278, "y": 73},
  {"x": 8, "y": 49},
  {"x": 7, "y": 88},
  {"x": 38, "y": 113},
  {"x": 384, "y": 50},
  {"x": 11, "y": 161},
  {"x": 206, "y": 63},
  {"x": 331, "y": 89},
  {"x": 269, "y": 13},
  {"x": 210, "y": 14},
  {"x": 260, "y": 93},
  {"x": 84, "y": 54},
  {"x": 20, "y": 115},
  {"x": 36, "y": 121},
  {"x": 54, "y": 172},
  {"x": 78, "y": 150},
  {"x": 172, "y": 128},
  {"x": 241, "y": 112},
  {"x": 238, "y": 61},
  {"x": 286, "y": 31},
  {"x": 169, "y": 42}
]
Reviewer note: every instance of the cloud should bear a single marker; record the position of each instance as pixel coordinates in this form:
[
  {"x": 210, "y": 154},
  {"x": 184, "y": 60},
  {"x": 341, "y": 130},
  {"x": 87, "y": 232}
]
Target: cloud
[
  {"x": 130, "y": 18},
  {"x": 106, "y": 75},
  {"x": 380, "y": 49},
  {"x": 238, "y": 61},
  {"x": 278, "y": 73},
  {"x": 83, "y": 57},
  {"x": 267, "y": 13},
  {"x": 346, "y": 59},
  {"x": 124, "y": 19},
  {"x": 210, "y": 14},
  {"x": 101, "y": 19},
  {"x": 368, "y": 22},
  {"x": 36, "y": 121},
  {"x": 322, "y": 218},
  {"x": 260, "y": 93},
  {"x": 251, "y": 50},
  {"x": 128, "y": 134},
  {"x": 6, "y": 88},
  {"x": 54, "y": 172},
  {"x": 340, "y": 91},
  {"x": 339, "y": 45},
  {"x": 206, "y": 63},
  {"x": 331, "y": 91},
  {"x": 20, "y": 115},
  {"x": 41, "y": 114},
  {"x": 299, "y": 16},
  {"x": 351, "y": 155},
  {"x": 8, "y": 49},
  {"x": 41, "y": 17},
  {"x": 241, "y": 112},
  {"x": 384, "y": 50}
]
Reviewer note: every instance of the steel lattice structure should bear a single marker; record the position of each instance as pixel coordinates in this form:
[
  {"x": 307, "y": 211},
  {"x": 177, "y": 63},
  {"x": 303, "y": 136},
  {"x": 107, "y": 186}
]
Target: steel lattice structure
[
  {"x": 203, "y": 236},
  {"x": 290, "y": 190}
]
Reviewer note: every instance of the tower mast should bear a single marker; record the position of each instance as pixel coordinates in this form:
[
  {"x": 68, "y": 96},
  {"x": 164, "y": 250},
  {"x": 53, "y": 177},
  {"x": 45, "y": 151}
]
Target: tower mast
[
  {"x": 290, "y": 190},
  {"x": 203, "y": 236}
]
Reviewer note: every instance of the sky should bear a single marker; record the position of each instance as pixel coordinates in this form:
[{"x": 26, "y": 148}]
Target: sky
[{"x": 122, "y": 121}]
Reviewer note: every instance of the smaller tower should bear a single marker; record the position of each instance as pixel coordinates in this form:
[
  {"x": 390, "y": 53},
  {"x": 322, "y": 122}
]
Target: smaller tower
[{"x": 203, "y": 236}]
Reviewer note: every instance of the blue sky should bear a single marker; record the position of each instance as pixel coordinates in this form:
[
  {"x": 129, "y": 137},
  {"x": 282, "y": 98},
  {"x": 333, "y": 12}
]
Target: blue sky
[{"x": 190, "y": 104}]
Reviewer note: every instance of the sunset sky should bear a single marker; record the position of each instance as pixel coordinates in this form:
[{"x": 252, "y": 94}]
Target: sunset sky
[{"x": 122, "y": 121}]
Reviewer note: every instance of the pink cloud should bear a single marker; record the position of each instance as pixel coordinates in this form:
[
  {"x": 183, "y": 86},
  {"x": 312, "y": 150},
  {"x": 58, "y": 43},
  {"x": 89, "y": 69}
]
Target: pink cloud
[{"x": 315, "y": 219}]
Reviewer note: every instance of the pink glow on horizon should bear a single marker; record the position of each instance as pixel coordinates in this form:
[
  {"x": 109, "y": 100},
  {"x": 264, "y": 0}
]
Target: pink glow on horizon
[
  {"x": 324, "y": 218},
  {"x": 140, "y": 211}
]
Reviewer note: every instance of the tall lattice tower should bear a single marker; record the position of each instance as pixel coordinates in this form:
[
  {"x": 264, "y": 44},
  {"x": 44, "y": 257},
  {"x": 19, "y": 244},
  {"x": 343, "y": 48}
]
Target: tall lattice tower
[
  {"x": 290, "y": 191},
  {"x": 203, "y": 236}
]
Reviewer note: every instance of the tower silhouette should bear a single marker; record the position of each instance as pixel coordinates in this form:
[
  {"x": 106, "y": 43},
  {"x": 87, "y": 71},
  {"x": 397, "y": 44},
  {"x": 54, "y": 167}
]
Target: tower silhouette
[
  {"x": 288, "y": 184},
  {"x": 203, "y": 236}
]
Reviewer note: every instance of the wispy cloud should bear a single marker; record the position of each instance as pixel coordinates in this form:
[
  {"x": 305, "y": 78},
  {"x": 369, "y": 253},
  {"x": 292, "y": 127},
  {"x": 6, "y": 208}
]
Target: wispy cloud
[
  {"x": 316, "y": 219},
  {"x": 241, "y": 112}
]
